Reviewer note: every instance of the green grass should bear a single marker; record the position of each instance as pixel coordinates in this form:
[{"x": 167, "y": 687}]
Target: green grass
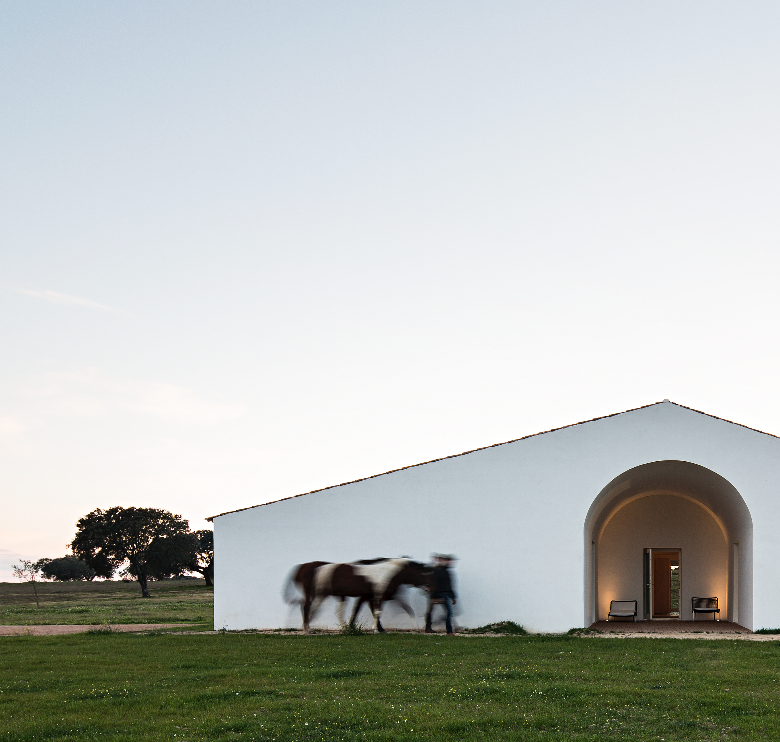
[
  {"x": 172, "y": 601},
  {"x": 227, "y": 686}
]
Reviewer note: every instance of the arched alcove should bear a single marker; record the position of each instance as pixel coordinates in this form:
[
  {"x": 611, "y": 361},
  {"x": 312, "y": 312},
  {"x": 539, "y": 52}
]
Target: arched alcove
[{"x": 670, "y": 505}]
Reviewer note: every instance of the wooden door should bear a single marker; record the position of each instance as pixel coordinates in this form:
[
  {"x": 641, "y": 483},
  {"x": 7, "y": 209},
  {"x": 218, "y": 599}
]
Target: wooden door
[{"x": 662, "y": 584}]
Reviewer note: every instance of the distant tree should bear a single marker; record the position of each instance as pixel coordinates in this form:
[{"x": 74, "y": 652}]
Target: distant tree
[
  {"x": 65, "y": 569},
  {"x": 27, "y": 570},
  {"x": 40, "y": 564},
  {"x": 108, "y": 539},
  {"x": 204, "y": 562},
  {"x": 171, "y": 556}
]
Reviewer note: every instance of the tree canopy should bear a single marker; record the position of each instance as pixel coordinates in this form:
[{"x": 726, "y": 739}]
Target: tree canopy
[
  {"x": 204, "y": 562},
  {"x": 65, "y": 569},
  {"x": 121, "y": 537},
  {"x": 169, "y": 556}
]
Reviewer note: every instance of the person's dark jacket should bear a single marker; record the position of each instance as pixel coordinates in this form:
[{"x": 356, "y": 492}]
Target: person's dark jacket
[{"x": 441, "y": 583}]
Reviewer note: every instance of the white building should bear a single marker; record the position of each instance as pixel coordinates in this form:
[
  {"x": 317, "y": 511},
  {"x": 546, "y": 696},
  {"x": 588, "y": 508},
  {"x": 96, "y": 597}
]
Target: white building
[{"x": 547, "y": 529}]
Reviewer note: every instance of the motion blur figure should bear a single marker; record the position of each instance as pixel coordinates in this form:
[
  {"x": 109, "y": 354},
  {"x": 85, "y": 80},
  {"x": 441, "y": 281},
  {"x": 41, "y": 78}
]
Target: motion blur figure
[
  {"x": 374, "y": 581},
  {"x": 441, "y": 592}
]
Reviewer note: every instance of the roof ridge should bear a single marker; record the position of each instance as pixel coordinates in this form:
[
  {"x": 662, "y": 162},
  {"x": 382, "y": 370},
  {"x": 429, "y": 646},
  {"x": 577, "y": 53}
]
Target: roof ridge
[
  {"x": 484, "y": 448},
  {"x": 715, "y": 417}
]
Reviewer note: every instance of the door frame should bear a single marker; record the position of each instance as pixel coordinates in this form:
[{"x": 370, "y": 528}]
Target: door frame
[{"x": 647, "y": 582}]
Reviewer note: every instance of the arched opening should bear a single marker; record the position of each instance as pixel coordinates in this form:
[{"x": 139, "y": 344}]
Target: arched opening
[{"x": 693, "y": 520}]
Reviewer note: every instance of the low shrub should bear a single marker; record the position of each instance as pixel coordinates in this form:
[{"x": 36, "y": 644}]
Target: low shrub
[
  {"x": 500, "y": 627},
  {"x": 352, "y": 629},
  {"x": 101, "y": 630}
]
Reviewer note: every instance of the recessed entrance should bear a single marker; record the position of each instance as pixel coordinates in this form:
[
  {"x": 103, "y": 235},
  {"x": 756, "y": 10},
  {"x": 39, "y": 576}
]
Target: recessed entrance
[
  {"x": 665, "y": 531},
  {"x": 663, "y": 583}
]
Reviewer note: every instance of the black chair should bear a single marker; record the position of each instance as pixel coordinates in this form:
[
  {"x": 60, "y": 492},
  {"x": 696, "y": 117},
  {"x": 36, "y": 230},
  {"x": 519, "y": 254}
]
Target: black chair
[
  {"x": 622, "y": 609},
  {"x": 705, "y": 605}
]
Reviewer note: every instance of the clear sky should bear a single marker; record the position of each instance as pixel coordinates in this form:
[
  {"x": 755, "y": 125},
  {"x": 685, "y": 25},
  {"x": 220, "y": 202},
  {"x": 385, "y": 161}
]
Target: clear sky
[{"x": 252, "y": 249}]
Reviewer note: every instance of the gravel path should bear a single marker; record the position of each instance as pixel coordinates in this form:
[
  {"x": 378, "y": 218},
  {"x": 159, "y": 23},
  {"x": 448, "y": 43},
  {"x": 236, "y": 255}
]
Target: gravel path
[{"x": 676, "y": 630}]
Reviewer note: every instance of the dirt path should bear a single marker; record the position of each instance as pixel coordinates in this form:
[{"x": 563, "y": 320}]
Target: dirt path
[
  {"x": 58, "y": 629},
  {"x": 601, "y": 630},
  {"x": 685, "y": 635}
]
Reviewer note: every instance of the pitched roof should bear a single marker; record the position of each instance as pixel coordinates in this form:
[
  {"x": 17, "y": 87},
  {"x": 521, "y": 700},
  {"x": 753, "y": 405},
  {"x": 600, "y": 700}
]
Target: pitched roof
[{"x": 483, "y": 448}]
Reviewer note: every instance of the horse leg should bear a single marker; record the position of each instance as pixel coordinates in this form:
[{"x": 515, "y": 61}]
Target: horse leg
[
  {"x": 358, "y": 604},
  {"x": 306, "y": 611},
  {"x": 340, "y": 611},
  {"x": 376, "y": 609},
  {"x": 310, "y": 606}
]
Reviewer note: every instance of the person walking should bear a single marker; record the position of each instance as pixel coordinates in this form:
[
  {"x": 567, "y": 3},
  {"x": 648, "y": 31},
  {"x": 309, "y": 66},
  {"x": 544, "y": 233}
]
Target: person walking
[{"x": 442, "y": 592}]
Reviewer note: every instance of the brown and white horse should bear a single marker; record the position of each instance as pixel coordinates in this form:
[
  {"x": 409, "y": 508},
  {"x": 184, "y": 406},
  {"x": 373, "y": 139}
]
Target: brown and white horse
[{"x": 374, "y": 581}]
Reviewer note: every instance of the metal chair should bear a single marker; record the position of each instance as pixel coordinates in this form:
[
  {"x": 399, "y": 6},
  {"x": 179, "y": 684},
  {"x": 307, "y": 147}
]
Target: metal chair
[
  {"x": 705, "y": 605},
  {"x": 622, "y": 609}
]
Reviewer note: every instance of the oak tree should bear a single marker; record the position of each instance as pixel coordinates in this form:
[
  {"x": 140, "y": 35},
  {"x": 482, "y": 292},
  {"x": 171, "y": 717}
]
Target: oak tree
[
  {"x": 65, "y": 569},
  {"x": 121, "y": 537}
]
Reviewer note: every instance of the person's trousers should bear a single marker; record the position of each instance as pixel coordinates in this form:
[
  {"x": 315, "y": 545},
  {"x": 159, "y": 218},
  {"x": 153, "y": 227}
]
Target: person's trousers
[{"x": 445, "y": 603}]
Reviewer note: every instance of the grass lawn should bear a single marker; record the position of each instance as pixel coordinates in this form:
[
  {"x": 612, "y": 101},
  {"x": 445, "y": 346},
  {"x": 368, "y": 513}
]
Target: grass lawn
[
  {"x": 172, "y": 601},
  {"x": 394, "y": 687}
]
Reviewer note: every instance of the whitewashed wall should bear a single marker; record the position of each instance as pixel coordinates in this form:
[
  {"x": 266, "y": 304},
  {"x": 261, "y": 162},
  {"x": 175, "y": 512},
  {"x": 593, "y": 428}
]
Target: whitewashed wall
[{"x": 514, "y": 515}]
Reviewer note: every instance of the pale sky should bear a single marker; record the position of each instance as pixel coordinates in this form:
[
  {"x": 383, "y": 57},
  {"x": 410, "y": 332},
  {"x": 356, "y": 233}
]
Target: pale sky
[{"x": 252, "y": 249}]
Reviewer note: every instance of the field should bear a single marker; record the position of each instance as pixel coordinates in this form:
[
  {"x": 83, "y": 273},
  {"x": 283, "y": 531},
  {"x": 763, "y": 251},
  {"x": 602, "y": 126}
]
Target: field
[
  {"x": 172, "y": 601},
  {"x": 396, "y": 687},
  {"x": 221, "y": 686}
]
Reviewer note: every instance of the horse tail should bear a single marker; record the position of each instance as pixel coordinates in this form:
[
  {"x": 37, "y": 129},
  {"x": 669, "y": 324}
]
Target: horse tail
[{"x": 291, "y": 592}]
